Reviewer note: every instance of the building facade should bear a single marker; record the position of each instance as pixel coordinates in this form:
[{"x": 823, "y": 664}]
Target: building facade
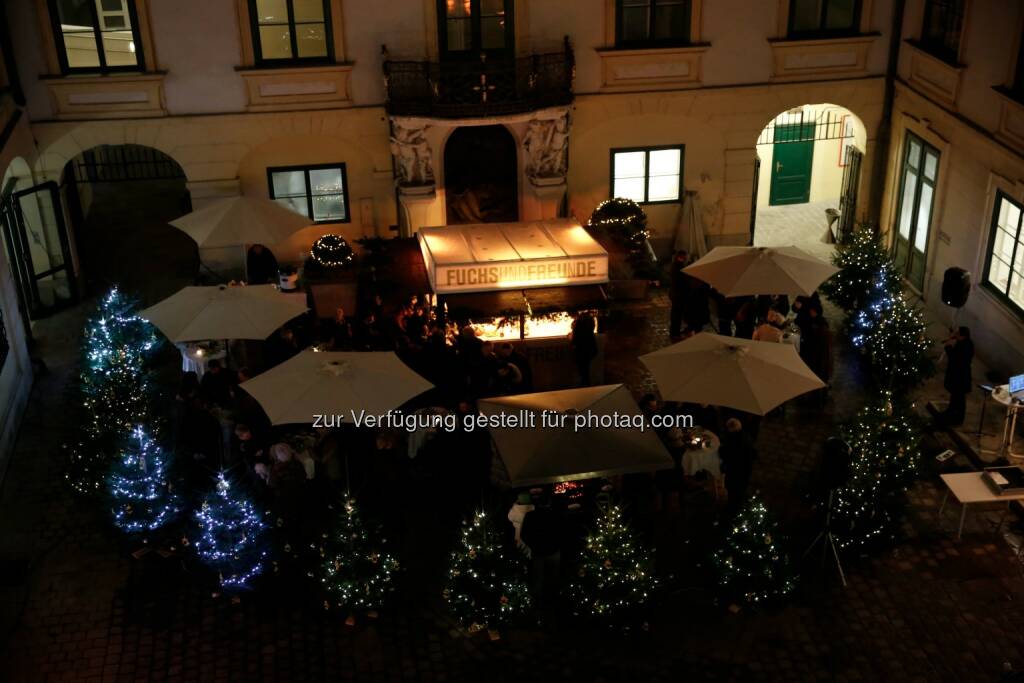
[{"x": 380, "y": 118}]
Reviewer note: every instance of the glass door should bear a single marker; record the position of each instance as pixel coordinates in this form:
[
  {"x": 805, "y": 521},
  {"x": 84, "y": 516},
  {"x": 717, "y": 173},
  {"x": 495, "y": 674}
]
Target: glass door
[
  {"x": 918, "y": 178},
  {"x": 37, "y": 247},
  {"x": 469, "y": 28}
]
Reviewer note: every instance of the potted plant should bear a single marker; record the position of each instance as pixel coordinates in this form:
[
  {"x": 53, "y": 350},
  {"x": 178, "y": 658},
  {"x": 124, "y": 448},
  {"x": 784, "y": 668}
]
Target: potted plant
[{"x": 620, "y": 226}]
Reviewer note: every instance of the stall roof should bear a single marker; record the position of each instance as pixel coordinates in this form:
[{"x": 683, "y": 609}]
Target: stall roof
[{"x": 495, "y": 256}]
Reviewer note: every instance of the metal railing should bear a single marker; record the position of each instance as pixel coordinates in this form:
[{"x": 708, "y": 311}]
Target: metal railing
[
  {"x": 118, "y": 163},
  {"x": 486, "y": 86},
  {"x": 803, "y": 125}
]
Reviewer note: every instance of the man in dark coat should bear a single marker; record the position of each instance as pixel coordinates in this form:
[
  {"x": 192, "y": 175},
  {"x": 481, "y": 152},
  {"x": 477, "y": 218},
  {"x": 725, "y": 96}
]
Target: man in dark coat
[
  {"x": 737, "y": 453},
  {"x": 261, "y": 266},
  {"x": 959, "y": 354},
  {"x": 679, "y": 293},
  {"x": 542, "y": 532}
]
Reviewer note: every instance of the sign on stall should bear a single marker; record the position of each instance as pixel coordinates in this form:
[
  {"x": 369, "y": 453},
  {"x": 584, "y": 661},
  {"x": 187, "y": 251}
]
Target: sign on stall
[{"x": 494, "y": 256}]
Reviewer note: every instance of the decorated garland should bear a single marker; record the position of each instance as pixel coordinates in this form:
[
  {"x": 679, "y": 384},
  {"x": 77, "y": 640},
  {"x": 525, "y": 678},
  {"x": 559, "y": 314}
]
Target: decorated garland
[{"x": 332, "y": 251}]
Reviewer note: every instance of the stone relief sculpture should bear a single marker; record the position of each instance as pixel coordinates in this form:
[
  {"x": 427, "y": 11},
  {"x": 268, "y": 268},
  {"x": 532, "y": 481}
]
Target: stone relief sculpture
[
  {"x": 412, "y": 151},
  {"x": 547, "y": 147}
]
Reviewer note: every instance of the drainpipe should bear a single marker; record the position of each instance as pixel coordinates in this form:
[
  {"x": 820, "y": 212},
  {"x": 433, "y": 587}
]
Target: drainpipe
[{"x": 884, "y": 140}]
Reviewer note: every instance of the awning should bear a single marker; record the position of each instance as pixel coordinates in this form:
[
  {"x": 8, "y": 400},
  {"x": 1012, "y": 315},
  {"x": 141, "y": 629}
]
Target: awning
[
  {"x": 495, "y": 256},
  {"x": 538, "y": 301}
]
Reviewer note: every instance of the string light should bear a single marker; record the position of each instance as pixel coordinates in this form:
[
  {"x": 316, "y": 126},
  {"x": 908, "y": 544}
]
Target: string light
[
  {"x": 231, "y": 536},
  {"x": 860, "y": 261},
  {"x": 750, "y": 564},
  {"x": 615, "y": 580},
  {"x": 486, "y": 584},
  {"x": 332, "y": 251},
  {"x": 359, "y": 575},
  {"x": 143, "y": 499},
  {"x": 112, "y": 389}
]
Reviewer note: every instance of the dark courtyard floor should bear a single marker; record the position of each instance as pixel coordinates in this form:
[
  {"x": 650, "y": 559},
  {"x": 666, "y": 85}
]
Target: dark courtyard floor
[{"x": 77, "y": 607}]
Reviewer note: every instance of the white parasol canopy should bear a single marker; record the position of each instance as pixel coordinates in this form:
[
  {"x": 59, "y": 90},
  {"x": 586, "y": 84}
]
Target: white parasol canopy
[
  {"x": 727, "y": 371},
  {"x": 690, "y": 230},
  {"x": 749, "y": 271},
  {"x": 545, "y": 455},
  {"x": 238, "y": 221},
  {"x": 335, "y": 384},
  {"x": 222, "y": 312}
]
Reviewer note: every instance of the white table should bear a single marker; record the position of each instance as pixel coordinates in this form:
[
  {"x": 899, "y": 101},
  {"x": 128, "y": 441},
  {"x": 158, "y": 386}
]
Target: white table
[
  {"x": 970, "y": 489},
  {"x": 195, "y": 359},
  {"x": 703, "y": 459},
  {"x": 1001, "y": 394}
]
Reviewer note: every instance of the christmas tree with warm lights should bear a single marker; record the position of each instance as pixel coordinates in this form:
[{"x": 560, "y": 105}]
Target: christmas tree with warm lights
[
  {"x": 751, "y": 566},
  {"x": 885, "y": 445},
  {"x": 142, "y": 498},
  {"x": 615, "y": 581},
  {"x": 359, "y": 573},
  {"x": 860, "y": 262},
  {"x": 486, "y": 584},
  {"x": 111, "y": 394},
  {"x": 231, "y": 536}
]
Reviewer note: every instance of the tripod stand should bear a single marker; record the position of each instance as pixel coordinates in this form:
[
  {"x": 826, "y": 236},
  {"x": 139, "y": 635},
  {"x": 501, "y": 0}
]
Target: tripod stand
[{"x": 827, "y": 540}]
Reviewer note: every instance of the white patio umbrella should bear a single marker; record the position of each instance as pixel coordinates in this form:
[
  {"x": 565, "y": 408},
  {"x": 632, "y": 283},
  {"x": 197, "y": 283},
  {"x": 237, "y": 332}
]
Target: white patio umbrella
[
  {"x": 727, "y": 371},
  {"x": 223, "y": 312},
  {"x": 238, "y": 221},
  {"x": 335, "y": 384},
  {"x": 545, "y": 455},
  {"x": 746, "y": 271}
]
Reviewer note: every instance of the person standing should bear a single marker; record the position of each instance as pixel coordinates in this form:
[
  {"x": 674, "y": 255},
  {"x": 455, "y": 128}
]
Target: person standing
[
  {"x": 816, "y": 345},
  {"x": 959, "y": 353},
  {"x": 679, "y": 293},
  {"x": 261, "y": 266},
  {"x": 737, "y": 453},
  {"x": 584, "y": 345},
  {"x": 542, "y": 533}
]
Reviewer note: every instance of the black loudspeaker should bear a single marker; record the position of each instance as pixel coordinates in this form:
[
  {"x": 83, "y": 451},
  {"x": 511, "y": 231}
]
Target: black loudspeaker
[{"x": 956, "y": 286}]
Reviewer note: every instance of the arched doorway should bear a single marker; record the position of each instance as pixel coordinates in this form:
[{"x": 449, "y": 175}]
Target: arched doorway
[
  {"x": 120, "y": 199},
  {"x": 481, "y": 175},
  {"x": 807, "y": 176}
]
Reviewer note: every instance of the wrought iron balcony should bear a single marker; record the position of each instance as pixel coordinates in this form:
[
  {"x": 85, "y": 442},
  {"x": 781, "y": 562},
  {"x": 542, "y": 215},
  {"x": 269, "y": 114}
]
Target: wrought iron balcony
[{"x": 488, "y": 86}]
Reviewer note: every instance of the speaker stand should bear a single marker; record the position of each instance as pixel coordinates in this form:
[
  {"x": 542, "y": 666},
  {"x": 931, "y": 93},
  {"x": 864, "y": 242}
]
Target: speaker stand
[{"x": 827, "y": 540}]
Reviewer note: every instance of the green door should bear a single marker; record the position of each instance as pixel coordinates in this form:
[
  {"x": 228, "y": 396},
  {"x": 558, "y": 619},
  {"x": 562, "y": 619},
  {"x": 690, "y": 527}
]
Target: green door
[{"x": 792, "y": 154}]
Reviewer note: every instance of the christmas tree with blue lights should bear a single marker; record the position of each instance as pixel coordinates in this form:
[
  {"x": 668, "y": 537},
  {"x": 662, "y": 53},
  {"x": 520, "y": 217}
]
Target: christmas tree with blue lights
[
  {"x": 359, "y": 573},
  {"x": 486, "y": 584},
  {"x": 142, "y": 497},
  {"x": 112, "y": 392},
  {"x": 231, "y": 536},
  {"x": 615, "y": 581},
  {"x": 751, "y": 566},
  {"x": 860, "y": 262}
]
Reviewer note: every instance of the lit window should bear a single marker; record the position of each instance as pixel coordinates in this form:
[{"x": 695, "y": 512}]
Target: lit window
[
  {"x": 1004, "y": 272},
  {"x": 469, "y": 27},
  {"x": 318, "y": 192},
  {"x": 810, "y": 18},
  {"x": 286, "y": 31},
  {"x": 96, "y": 35},
  {"x": 652, "y": 22},
  {"x": 649, "y": 175}
]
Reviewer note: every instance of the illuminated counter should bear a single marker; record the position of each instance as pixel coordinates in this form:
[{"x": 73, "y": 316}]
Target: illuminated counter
[
  {"x": 496, "y": 256},
  {"x": 523, "y": 283}
]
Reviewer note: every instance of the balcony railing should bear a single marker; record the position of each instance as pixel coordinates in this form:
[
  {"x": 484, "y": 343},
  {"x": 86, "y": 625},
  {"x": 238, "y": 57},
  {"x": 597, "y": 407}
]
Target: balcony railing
[{"x": 487, "y": 86}]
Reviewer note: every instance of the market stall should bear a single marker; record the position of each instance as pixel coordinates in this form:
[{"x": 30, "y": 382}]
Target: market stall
[{"x": 523, "y": 283}]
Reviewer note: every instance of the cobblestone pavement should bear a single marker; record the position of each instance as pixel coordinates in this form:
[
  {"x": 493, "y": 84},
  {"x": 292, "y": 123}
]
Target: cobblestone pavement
[{"x": 76, "y": 607}]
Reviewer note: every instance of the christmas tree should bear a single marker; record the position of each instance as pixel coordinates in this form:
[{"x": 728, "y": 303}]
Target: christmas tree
[
  {"x": 142, "y": 498},
  {"x": 231, "y": 534},
  {"x": 486, "y": 584},
  {"x": 111, "y": 394},
  {"x": 893, "y": 334},
  {"x": 750, "y": 564},
  {"x": 359, "y": 573},
  {"x": 615, "y": 581},
  {"x": 860, "y": 261},
  {"x": 885, "y": 443}
]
